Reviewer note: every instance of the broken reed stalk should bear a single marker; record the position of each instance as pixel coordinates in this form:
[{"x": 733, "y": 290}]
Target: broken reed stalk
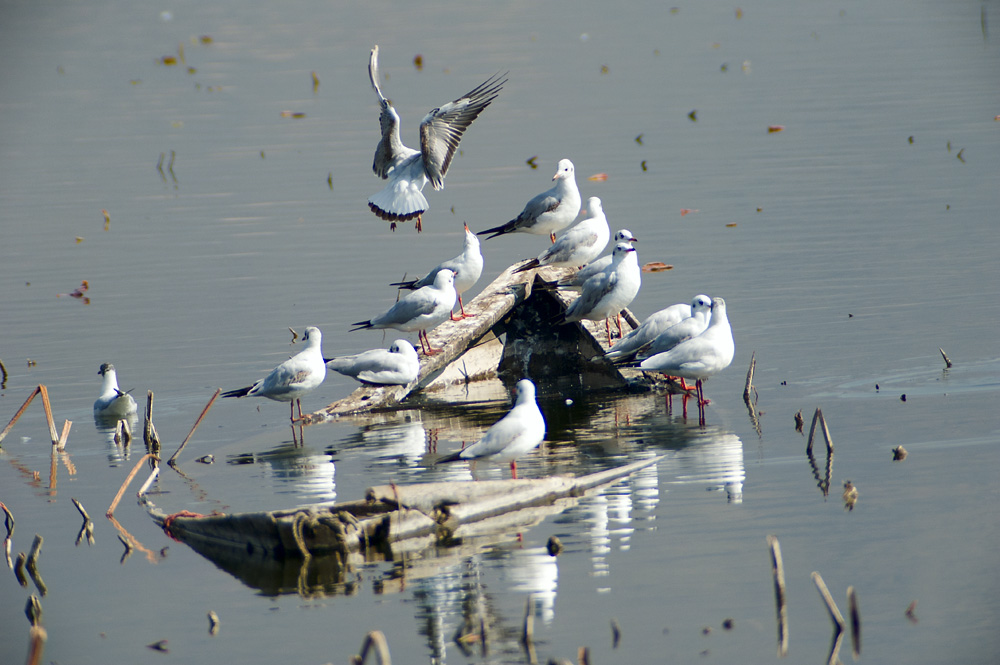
[
  {"x": 36, "y": 549},
  {"x": 749, "y": 384},
  {"x": 195, "y": 426},
  {"x": 48, "y": 414},
  {"x": 20, "y": 412},
  {"x": 818, "y": 417},
  {"x": 528, "y": 633},
  {"x": 131, "y": 475},
  {"x": 831, "y": 606},
  {"x": 778, "y": 568},
  {"x": 583, "y": 656},
  {"x": 8, "y": 519},
  {"x": 149, "y": 481},
  {"x": 61, "y": 444},
  {"x": 149, "y": 435},
  {"x": 852, "y": 608},
  {"x": 36, "y": 644},
  {"x": 3, "y": 375},
  {"x": 79, "y": 507},
  {"x": 947, "y": 361},
  {"x": 616, "y": 633},
  {"x": 377, "y": 640}
]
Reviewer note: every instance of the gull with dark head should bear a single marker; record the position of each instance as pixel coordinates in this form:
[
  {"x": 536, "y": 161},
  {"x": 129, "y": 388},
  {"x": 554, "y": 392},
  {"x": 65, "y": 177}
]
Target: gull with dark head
[
  {"x": 292, "y": 379},
  {"x": 406, "y": 170}
]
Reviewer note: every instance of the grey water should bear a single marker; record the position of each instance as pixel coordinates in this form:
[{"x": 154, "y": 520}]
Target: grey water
[{"x": 849, "y": 247}]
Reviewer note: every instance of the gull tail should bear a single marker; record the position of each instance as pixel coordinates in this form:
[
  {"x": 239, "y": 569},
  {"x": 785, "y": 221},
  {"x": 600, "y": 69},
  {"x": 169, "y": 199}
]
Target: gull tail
[
  {"x": 499, "y": 230},
  {"x": 410, "y": 284},
  {"x": 239, "y": 392},
  {"x": 361, "y": 325},
  {"x": 453, "y": 457},
  {"x": 533, "y": 263},
  {"x": 398, "y": 202}
]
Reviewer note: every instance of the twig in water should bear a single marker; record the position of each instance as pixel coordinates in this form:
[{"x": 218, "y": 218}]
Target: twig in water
[
  {"x": 3, "y": 372},
  {"x": 377, "y": 640},
  {"x": 528, "y": 633},
  {"x": 36, "y": 644},
  {"x": 19, "y": 569},
  {"x": 79, "y": 507},
  {"x": 33, "y": 610},
  {"x": 20, "y": 412},
  {"x": 149, "y": 436},
  {"x": 852, "y": 607},
  {"x": 149, "y": 481},
  {"x": 616, "y": 633},
  {"x": 778, "y": 568},
  {"x": 213, "y": 623},
  {"x": 31, "y": 565},
  {"x": 819, "y": 418},
  {"x": 64, "y": 435},
  {"x": 749, "y": 385},
  {"x": 835, "y": 616},
  {"x": 583, "y": 656},
  {"x": 9, "y": 523},
  {"x": 910, "y": 612},
  {"x": 947, "y": 361},
  {"x": 131, "y": 475},
  {"x": 195, "y": 426},
  {"x": 48, "y": 414}
]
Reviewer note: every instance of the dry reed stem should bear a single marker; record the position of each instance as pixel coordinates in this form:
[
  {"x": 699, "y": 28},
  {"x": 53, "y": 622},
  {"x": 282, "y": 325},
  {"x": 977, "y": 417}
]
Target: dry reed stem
[
  {"x": 8, "y": 519},
  {"x": 20, "y": 412},
  {"x": 947, "y": 360},
  {"x": 79, "y": 507},
  {"x": 35, "y": 551},
  {"x": 149, "y": 481},
  {"x": 818, "y": 417},
  {"x": 48, "y": 414},
  {"x": 616, "y": 633},
  {"x": 3, "y": 375},
  {"x": 831, "y": 606},
  {"x": 131, "y": 475},
  {"x": 195, "y": 426},
  {"x": 852, "y": 608},
  {"x": 36, "y": 645},
  {"x": 778, "y": 568},
  {"x": 130, "y": 542},
  {"x": 61, "y": 444},
  {"x": 375, "y": 639},
  {"x": 749, "y": 384}
]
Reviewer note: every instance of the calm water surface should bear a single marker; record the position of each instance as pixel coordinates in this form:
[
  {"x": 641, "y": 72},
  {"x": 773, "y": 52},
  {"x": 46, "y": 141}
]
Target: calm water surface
[{"x": 849, "y": 247}]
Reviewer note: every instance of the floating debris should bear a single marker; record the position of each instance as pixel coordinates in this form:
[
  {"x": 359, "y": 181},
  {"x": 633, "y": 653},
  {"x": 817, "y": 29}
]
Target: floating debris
[
  {"x": 778, "y": 569},
  {"x": 604, "y": 69},
  {"x": 799, "y": 422},
  {"x": 688, "y": 211},
  {"x": 107, "y": 219},
  {"x": 554, "y": 546},
  {"x": 532, "y": 162},
  {"x": 616, "y": 633},
  {"x": 899, "y": 454},
  {"x": 693, "y": 115},
  {"x": 206, "y": 459},
  {"x": 727, "y": 624},
  {"x": 598, "y": 177},
  {"x": 852, "y": 608},
  {"x": 159, "y": 645},
  {"x": 947, "y": 361},
  {"x": 638, "y": 139},
  {"x": 910, "y": 612},
  {"x": 168, "y": 60},
  {"x": 642, "y": 164},
  {"x": 773, "y": 129},
  {"x": 850, "y": 495},
  {"x": 315, "y": 80},
  {"x": 78, "y": 292},
  {"x": 205, "y": 39},
  {"x": 418, "y": 61},
  {"x": 213, "y": 623},
  {"x": 292, "y": 114},
  {"x": 959, "y": 155},
  {"x": 656, "y": 266},
  {"x": 910, "y": 139}
]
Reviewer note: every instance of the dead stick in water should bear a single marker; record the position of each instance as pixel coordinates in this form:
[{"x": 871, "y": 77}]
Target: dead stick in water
[
  {"x": 375, "y": 639},
  {"x": 528, "y": 633},
  {"x": 149, "y": 435},
  {"x": 852, "y": 607},
  {"x": 79, "y": 507},
  {"x": 20, "y": 412},
  {"x": 947, "y": 361},
  {"x": 831, "y": 606},
  {"x": 195, "y": 426},
  {"x": 48, "y": 414},
  {"x": 65, "y": 435},
  {"x": 778, "y": 568},
  {"x": 131, "y": 475},
  {"x": 749, "y": 384},
  {"x": 36, "y": 644},
  {"x": 3, "y": 372}
]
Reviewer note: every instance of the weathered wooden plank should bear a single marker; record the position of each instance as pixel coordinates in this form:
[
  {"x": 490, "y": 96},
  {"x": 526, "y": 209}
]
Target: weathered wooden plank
[{"x": 471, "y": 348}]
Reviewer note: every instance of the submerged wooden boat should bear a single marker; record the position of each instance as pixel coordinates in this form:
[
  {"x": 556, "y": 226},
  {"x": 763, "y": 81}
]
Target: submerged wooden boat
[
  {"x": 513, "y": 332},
  {"x": 314, "y": 547}
]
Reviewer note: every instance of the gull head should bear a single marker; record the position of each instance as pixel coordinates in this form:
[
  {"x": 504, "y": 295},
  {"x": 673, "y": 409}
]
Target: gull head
[{"x": 564, "y": 170}]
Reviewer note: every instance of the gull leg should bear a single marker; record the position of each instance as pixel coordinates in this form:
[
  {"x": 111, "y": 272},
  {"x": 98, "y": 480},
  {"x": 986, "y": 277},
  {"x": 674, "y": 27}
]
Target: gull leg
[
  {"x": 464, "y": 315},
  {"x": 430, "y": 351},
  {"x": 420, "y": 224},
  {"x": 701, "y": 405},
  {"x": 513, "y": 469},
  {"x": 607, "y": 326},
  {"x": 392, "y": 227},
  {"x": 618, "y": 319},
  {"x": 552, "y": 237}
]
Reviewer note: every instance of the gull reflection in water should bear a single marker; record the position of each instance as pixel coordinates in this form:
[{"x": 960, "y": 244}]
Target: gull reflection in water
[
  {"x": 532, "y": 570},
  {"x": 712, "y": 457},
  {"x": 107, "y": 427}
]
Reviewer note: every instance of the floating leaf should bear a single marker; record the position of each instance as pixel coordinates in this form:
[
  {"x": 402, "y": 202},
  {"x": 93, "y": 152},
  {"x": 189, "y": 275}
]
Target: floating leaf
[
  {"x": 686, "y": 211},
  {"x": 418, "y": 61},
  {"x": 79, "y": 239},
  {"x": 638, "y": 139},
  {"x": 604, "y": 69},
  {"x": 315, "y": 81},
  {"x": 959, "y": 155},
  {"x": 598, "y": 177},
  {"x": 135, "y": 81},
  {"x": 532, "y": 163},
  {"x": 739, "y": 13},
  {"x": 205, "y": 39},
  {"x": 192, "y": 70},
  {"x": 643, "y": 165},
  {"x": 771, "y": 129},
  {"x": 168, "y": 60},
  {"x": 107, "y": 215},
  {"x": 292, "y": 114},
  {"x": 731, "y": 225},
  {"x": 693, "y": 115},
  {"x": 760, "y": 209},
  {"x": 656, "y": 266}
]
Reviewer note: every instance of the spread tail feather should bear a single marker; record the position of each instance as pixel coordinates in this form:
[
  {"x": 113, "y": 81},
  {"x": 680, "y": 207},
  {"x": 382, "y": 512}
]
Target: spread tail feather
[{"x": 398, "y": 203}]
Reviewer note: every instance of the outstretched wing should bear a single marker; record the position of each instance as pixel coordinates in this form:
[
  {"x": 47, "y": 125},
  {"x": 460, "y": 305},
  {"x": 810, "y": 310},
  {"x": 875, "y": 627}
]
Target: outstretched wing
[
  {"x": 390, "y": 149},
  {"x": 441, "y": 130}
]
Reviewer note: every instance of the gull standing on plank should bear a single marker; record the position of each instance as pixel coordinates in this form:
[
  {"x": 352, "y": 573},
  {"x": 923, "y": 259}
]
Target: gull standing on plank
[
  {"x": 605, "y": 295},
  {"x": 580, "y": 245},
  {"x": 292, "y": 379},
  {"x": 699, "y": 357},
  {"x": 468, "y": 267},
  {"x": 649, "y": 329},
  {"x": 408, "y": 170},
  {"x": 421, "y": 310},
  {"x": 522, "y": 429},
  {"x": 576, "y": 280},
  {"x": 112, "y": 403},
  {"x": 397, "y": 366},
  {"x": 548, "y": 212}
]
